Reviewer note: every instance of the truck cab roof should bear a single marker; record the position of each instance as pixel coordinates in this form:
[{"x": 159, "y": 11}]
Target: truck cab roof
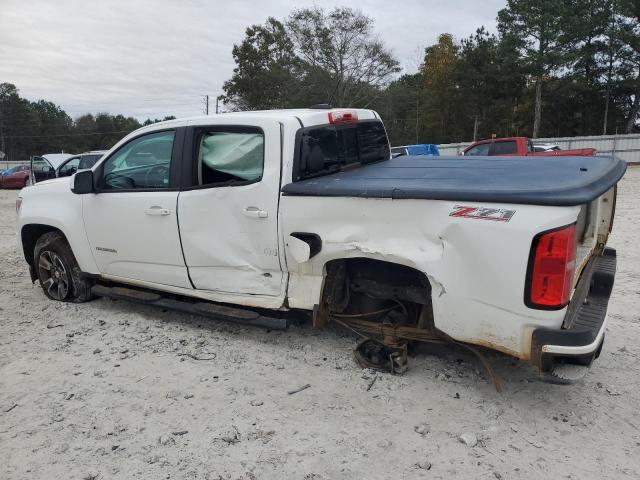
[{"x": 305, "y": 116}]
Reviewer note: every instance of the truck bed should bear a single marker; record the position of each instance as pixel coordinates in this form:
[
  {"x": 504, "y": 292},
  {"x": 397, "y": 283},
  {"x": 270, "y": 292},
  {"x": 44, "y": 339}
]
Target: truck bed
[{"x": 517, "y": 180}]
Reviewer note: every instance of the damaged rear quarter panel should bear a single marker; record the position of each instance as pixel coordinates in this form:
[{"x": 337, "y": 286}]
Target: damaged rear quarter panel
[{"x": 476, "y": 268}]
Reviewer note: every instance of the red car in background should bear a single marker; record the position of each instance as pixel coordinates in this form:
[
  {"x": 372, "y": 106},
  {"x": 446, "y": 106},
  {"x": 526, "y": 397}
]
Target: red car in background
[
  {"x": 15, "y": 177},
  {"x": 520, "y": 146}
]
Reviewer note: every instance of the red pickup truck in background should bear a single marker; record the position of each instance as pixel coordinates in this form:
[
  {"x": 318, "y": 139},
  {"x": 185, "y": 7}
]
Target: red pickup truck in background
[{"x": 520, "y": 146}]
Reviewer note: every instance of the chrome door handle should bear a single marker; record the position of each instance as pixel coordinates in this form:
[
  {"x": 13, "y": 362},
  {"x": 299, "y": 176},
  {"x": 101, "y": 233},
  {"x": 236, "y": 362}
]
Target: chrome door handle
[
  {"x": 157, "y": 210},
  {"x": 254, "y": 212}
]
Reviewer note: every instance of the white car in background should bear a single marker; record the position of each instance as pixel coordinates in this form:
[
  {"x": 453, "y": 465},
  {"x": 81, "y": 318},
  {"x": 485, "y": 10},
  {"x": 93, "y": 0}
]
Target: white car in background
[{"x": 546, "y": 147}]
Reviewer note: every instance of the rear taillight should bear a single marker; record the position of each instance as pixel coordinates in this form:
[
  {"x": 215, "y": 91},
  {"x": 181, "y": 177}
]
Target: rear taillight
[{"x": 551, "y": 267}]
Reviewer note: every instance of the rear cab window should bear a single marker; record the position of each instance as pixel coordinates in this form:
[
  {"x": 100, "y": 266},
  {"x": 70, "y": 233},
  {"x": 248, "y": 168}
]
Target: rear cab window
[
  {"x": 325, "y": 149},
  {"x": 506, "y": 147}
]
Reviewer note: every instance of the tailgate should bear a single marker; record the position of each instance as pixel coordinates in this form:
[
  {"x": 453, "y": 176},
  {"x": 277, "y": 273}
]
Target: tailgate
[{"x": 593, "y": 227}]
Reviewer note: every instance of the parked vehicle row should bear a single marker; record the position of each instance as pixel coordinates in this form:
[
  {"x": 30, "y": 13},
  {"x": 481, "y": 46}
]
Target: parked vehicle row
[
  {"x": 45, "y": 167},
  {"x": 48, "y": 166}
]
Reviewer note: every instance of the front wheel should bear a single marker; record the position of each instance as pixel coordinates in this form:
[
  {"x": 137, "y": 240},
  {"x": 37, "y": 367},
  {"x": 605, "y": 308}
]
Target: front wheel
[{"x": 58, "y": 271}]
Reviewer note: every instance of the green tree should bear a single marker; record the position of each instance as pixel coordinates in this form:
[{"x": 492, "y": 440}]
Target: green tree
[
  {"x": 490, "y": 84},
  {"x": 267, "y": 70},
  {"x": 401, "y": 106},
  {"x": 536, "y": 24},
  {"x": 19, "y": 123},
  {"x": 54, "y": 127},
  {"x": 341, "y": 56},
  {"x": 439, "y": 76},
  {"x": 629, "y": 34}
]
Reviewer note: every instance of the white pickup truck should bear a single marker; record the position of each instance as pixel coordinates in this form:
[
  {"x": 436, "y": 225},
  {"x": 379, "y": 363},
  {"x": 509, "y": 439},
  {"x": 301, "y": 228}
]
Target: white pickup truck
[{"x": 247, "y": 216}]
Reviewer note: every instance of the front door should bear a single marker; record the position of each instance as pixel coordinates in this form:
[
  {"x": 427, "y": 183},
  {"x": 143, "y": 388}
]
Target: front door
[
  {"x": 228, "y": 212},
  {"x": 132, "y": 221}
]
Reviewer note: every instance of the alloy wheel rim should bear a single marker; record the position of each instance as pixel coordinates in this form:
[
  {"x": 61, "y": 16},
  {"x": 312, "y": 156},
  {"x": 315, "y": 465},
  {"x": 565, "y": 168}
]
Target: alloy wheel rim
[{"x": 53, "y": 275}]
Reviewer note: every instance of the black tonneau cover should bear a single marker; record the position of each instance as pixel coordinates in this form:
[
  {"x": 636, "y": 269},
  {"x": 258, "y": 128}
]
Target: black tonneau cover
[{"x": 521, "y": 180}]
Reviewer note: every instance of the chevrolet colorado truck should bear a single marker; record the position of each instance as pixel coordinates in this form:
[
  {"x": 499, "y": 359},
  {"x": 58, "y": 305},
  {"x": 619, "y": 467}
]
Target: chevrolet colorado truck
[
  {"x": 251, "y": 216},
  {"x": 522, "y": 146}
]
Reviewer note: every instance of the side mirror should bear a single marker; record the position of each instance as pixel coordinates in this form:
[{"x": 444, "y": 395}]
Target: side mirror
[{"x": 83, "y": 182}]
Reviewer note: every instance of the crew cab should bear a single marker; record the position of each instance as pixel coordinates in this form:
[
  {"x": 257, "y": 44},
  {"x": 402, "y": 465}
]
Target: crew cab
[
  {"x": 521, "y": 146},
  {"x": 254, "y": 216}
]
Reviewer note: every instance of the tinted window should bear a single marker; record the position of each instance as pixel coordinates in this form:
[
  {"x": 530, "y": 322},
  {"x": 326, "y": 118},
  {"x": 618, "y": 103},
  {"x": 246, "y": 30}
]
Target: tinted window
[
  {"x": 70, "y": 167},
  {"x": 504, "y": 148},
  {"x": 140, "y": 164},
  {"x": 482, "y": 149},
  {"x": 227, "y": 157},
  {"x": 88, "y": 161},
  {"x": 327, "y": 149}
]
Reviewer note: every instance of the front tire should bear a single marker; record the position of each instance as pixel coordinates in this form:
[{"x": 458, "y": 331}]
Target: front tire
[{"x": 58, "y": 271}]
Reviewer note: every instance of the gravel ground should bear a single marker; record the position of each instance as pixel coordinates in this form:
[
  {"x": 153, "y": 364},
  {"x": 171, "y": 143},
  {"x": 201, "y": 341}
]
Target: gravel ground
[{"x": 104, "y": 390}]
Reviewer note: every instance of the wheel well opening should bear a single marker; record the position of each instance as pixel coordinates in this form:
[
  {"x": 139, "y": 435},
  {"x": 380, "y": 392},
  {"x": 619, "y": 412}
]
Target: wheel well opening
[
  {"x": 30, "y": 235},
  {"x": 357, "y": 286}
]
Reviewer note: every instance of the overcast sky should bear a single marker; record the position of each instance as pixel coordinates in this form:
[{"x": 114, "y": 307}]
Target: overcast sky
[{"x": 151, "y": 58}]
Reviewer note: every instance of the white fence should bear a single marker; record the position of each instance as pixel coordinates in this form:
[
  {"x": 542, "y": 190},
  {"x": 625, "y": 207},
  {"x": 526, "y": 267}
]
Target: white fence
[{"x": 626, "y": 147}]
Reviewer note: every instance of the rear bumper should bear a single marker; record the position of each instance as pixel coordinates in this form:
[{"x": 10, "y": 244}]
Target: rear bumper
[{"x": 580, "y": 339}]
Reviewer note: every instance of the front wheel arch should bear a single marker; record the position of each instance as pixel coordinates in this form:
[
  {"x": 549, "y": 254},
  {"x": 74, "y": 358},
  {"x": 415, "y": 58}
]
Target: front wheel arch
[{"x": 29, "y": 235}]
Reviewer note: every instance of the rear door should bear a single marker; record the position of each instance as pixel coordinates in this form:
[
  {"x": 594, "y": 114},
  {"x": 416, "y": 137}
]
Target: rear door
[{"x": 228, "y": 209}]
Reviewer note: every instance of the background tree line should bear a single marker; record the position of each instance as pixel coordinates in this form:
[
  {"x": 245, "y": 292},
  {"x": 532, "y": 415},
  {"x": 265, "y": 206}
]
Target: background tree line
[
  {"x": 33, "y": 128},
  {"x": 555, "y": 68}
]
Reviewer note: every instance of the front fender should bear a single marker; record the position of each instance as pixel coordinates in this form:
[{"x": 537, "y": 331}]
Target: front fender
[{"x": 52, "y": 204}]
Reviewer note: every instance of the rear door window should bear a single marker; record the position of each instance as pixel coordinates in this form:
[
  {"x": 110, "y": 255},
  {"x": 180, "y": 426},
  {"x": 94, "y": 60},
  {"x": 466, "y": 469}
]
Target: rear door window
[
  {"x": 88, "y": 161},
  {"x": 229, "y": 156},
  {"x": 508, "y": 147},
  {"x": 330, "y": 148}
]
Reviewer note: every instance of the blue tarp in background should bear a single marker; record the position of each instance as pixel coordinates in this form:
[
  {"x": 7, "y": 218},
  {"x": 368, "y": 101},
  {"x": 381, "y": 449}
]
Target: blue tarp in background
[{"x": 423, "y": 149}]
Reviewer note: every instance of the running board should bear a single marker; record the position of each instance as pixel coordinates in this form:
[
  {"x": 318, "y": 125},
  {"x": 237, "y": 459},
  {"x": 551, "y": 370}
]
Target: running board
[{"x": 206, "y": 309}]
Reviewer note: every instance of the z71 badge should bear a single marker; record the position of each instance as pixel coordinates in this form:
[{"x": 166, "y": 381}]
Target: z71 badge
[{"x": 483, "y": 213}]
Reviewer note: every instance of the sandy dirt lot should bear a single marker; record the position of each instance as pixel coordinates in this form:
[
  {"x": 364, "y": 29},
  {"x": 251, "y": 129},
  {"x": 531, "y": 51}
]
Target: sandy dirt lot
[{"x": 104, "y": 390}]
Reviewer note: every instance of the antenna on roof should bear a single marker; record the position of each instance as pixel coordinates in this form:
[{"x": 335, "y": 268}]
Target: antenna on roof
[{"x": 321, "y": 106}]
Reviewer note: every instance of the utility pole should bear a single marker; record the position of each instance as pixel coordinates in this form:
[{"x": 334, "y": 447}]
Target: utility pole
[
  {"x": 217, "y": 99},
  {"x": 205, "y": 101}
]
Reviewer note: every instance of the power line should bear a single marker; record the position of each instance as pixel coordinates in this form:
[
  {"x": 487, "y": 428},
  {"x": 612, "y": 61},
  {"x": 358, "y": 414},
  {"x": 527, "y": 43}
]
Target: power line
[
  {"x": 68, "y": 134},
  {"x": 177, "y": 98}
]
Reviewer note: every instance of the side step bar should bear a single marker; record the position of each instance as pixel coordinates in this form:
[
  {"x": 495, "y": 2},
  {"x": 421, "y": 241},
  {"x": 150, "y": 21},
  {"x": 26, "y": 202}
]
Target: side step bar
[{"x": 206, "y": 309}]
